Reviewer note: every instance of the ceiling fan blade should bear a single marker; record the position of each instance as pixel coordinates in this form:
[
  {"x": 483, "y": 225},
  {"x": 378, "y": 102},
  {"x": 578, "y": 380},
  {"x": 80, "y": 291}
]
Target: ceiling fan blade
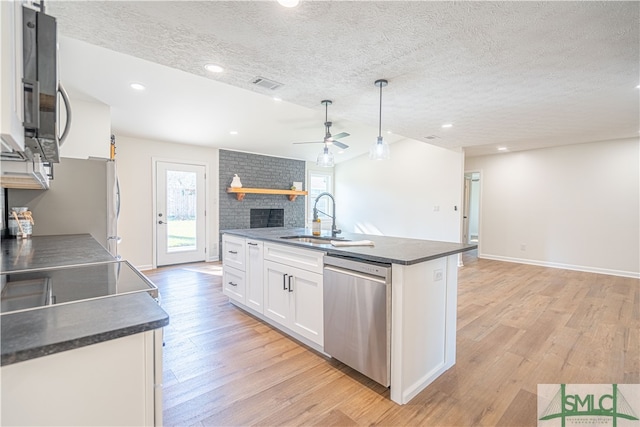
[
  {"x": 340, "y": 144},
  {"x": 310, "y": 142},
  {"x": 340, "y": 135}
]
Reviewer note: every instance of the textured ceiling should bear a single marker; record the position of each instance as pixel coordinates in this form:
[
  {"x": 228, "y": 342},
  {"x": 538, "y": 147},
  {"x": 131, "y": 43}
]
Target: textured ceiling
[{"x": 516, "y": 74}]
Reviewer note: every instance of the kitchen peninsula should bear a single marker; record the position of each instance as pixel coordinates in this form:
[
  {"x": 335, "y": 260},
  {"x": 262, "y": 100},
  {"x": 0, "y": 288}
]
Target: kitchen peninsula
[
  {"x": 422, "y": 300},
  {"x": 81, "y": 335}
]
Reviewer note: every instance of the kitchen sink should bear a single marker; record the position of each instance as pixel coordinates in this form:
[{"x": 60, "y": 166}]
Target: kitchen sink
[{"x": 315, "y": 240}]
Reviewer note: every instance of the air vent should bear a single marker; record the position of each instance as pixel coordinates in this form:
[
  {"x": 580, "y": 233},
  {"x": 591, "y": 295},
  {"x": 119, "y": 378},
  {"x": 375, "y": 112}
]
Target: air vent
[
  {"x": 266, "y": 83},
  {"x": 432, "y": 137}
]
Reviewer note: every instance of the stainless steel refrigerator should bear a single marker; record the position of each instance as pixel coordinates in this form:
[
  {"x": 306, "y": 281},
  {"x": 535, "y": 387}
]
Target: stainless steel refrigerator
[{"x": 84, "y": 197}]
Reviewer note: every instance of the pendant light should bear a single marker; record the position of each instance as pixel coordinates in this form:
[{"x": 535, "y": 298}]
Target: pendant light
[
  {"x": 380, "y": 150},
  {"x": 325, "y": 158}
]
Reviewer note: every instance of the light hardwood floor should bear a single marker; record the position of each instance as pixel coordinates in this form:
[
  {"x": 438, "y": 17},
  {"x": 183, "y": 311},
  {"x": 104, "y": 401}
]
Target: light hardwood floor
[{"x": 518, "y": 326}]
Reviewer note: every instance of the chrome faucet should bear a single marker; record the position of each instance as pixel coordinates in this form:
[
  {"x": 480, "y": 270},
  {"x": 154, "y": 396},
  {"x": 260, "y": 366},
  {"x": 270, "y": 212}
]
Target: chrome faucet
[{"x": 334, "y": 230}]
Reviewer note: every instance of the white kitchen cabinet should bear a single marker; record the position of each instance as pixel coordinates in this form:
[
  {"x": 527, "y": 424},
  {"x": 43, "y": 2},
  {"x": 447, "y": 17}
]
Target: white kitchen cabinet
[
  {"x": 233, "y": 251},
  {"x": 254, "y": 283},
  {"x": 305, "y": 259},
  {"x": 11, "y": 110},
  {"x": 293, "y": 298},
  {"x": 280, "y": 284},
  {"x": 234, "y": 284},
  {"x": 115, "y": 382}
]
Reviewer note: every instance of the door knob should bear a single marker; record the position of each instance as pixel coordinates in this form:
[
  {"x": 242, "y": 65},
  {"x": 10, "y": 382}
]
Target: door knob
[{"x": 160, "y": 222}]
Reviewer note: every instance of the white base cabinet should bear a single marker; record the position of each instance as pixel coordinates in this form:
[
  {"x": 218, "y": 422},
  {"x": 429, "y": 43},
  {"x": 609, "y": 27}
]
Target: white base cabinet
[
  {"x": 254, "y": 283},
  {"x": 115, "y": 383},
  {"x": 293, "y": 298},
  {"x": 281, "y": 283},
  {"x": 233, "y": 284}
]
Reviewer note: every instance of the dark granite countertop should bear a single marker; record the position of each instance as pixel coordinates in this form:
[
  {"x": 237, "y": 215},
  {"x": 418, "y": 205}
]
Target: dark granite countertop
[
  {"x": 39, "y": 252},
  {"x": 30, "y": 334},
  {"x": 39, "y": 332},
  {"x": 394, "y": 250}
]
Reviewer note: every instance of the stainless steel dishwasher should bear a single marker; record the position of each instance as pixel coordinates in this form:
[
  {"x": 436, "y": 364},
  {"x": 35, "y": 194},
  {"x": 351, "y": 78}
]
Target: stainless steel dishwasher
[{"x": 357, "y": 309}]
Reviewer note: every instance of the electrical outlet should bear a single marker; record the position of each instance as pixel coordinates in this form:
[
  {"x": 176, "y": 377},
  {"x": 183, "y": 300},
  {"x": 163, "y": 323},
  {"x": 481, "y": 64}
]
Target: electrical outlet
[
  {"x": 523, "y": 247},
  {"x": 436, "y": 208},
  {"x": 437, "y": 275}
]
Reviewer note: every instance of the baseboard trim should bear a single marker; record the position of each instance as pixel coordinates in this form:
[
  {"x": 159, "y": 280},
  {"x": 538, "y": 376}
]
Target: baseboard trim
[{"x": 621, "y": 273}]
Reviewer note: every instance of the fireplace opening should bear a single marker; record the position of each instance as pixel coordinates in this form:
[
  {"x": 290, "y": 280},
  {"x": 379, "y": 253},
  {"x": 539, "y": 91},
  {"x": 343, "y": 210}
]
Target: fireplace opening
[{"x": 261, "y": 218}]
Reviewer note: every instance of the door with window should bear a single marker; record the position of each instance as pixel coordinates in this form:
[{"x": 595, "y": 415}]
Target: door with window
[
  {"x": 319, "y": 182},
  {"x": 180, "y": 213}
]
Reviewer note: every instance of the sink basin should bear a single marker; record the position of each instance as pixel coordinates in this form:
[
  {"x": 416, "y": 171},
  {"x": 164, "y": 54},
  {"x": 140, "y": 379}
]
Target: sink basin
[{"x": 314, "y": 240}]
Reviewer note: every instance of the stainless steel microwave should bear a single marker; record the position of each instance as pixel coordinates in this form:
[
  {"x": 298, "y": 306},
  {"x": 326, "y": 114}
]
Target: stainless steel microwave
[{"x": 41, "y": 86}]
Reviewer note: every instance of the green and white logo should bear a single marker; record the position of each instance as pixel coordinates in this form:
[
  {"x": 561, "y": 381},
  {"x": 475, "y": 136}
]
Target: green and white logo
[{"x": 588, "y": 404}]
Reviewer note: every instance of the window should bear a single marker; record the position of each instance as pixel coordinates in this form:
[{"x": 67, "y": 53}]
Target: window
[{"x": 319, "y": 182}]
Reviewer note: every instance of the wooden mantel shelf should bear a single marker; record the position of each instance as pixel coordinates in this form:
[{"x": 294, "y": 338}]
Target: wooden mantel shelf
[{"x": 241, "y": 191}]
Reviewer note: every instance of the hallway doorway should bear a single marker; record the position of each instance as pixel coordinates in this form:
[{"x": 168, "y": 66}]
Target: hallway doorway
[{"x": 471, "y": 212}]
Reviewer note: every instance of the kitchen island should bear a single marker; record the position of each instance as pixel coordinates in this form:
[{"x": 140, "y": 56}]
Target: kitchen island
[
  {"x": 81, "y": 336},
  {"x": 422, "y": 299}
]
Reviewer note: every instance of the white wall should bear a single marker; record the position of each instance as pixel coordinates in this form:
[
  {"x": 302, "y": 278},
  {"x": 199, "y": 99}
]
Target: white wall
[
  {"x": 90, "y": 131},
  {"x": 399, "y": 197},
  {"x": 135, "y": 226},
  {"x": 574, "y": 206}
]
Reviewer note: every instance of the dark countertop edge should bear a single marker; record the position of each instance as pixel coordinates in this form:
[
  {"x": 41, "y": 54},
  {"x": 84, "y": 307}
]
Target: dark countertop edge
[
  {"x": 333, "y": 250},
  {"x": 402, "y": 262},
  {"x": 50, "y": 251},
  {"x": 35, "y": 351},
  {"x": 46, "y": 350}
]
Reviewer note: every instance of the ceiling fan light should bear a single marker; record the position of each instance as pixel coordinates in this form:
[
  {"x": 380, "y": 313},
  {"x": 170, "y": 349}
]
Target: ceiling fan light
[
  {"x": 325, "y": 158},
  {"x": 380, "y": 150}
]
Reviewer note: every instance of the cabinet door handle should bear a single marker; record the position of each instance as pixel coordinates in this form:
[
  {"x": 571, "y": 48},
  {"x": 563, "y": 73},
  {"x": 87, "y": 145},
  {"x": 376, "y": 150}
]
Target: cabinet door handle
[
  {"x": 284, "y": 282},
  {"x": 290, "y": 290},
  {"x": 233, "y": 284},
  {"x": 233, "y": 252},
  {"x": 252, "y": 244}
]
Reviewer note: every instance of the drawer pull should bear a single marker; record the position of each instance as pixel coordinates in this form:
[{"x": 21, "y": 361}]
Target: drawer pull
[
  {"x": 252, "y": 244},
  {"x": 233, "y": 284},
  {"x": 233, "y": 252}
]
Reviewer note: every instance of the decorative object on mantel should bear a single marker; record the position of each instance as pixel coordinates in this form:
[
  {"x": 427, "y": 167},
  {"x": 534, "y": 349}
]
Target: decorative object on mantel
[
  {"x": 241, "y": 192},
  {"x": 235, "y": 182},
  {"x": 380, "y": 150},
  {"x": 297, "y": 185}
]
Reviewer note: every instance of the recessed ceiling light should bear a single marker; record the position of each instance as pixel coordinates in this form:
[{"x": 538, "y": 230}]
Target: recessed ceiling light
[
  {"x": 212, "y": 68},
  {"x": 638, "y": 87},
  {"x": 502, "y": 148},
  {"x": 447, "y": 125},
  {"x": 233, "y": 132},
  {"x": 277, "y": 98},
  {"x": 289, "y": 3},
  {"x": 389, "y": 132},
  {"x": 137, "y": 86}
]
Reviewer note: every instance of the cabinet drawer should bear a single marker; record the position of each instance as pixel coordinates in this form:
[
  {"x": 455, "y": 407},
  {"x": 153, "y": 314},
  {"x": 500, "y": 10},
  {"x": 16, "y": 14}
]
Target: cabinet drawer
[
  {"x": 305, "y": 259},
  {"x": 233, "y": 251},
  {"x": 233, "y": 283}
]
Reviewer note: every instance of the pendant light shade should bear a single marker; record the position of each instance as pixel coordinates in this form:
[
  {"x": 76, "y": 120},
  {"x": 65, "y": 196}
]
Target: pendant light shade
[
  {"x": 325, "y": 158},
  {"x": 380, "y": 150}
]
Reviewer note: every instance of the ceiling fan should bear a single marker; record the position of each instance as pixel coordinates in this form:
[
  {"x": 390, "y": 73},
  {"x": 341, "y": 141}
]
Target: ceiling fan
[{"x": 328, "y": 138}]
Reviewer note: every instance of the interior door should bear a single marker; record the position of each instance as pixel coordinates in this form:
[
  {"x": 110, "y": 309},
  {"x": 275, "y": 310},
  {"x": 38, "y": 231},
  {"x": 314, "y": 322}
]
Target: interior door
[
  {"x": 180, "y": 213},
  {"x": 465, "y": 209}
]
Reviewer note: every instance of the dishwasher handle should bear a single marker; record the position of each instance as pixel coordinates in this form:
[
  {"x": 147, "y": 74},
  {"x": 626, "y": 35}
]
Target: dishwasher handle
[{"x": 356, "y": 274}]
